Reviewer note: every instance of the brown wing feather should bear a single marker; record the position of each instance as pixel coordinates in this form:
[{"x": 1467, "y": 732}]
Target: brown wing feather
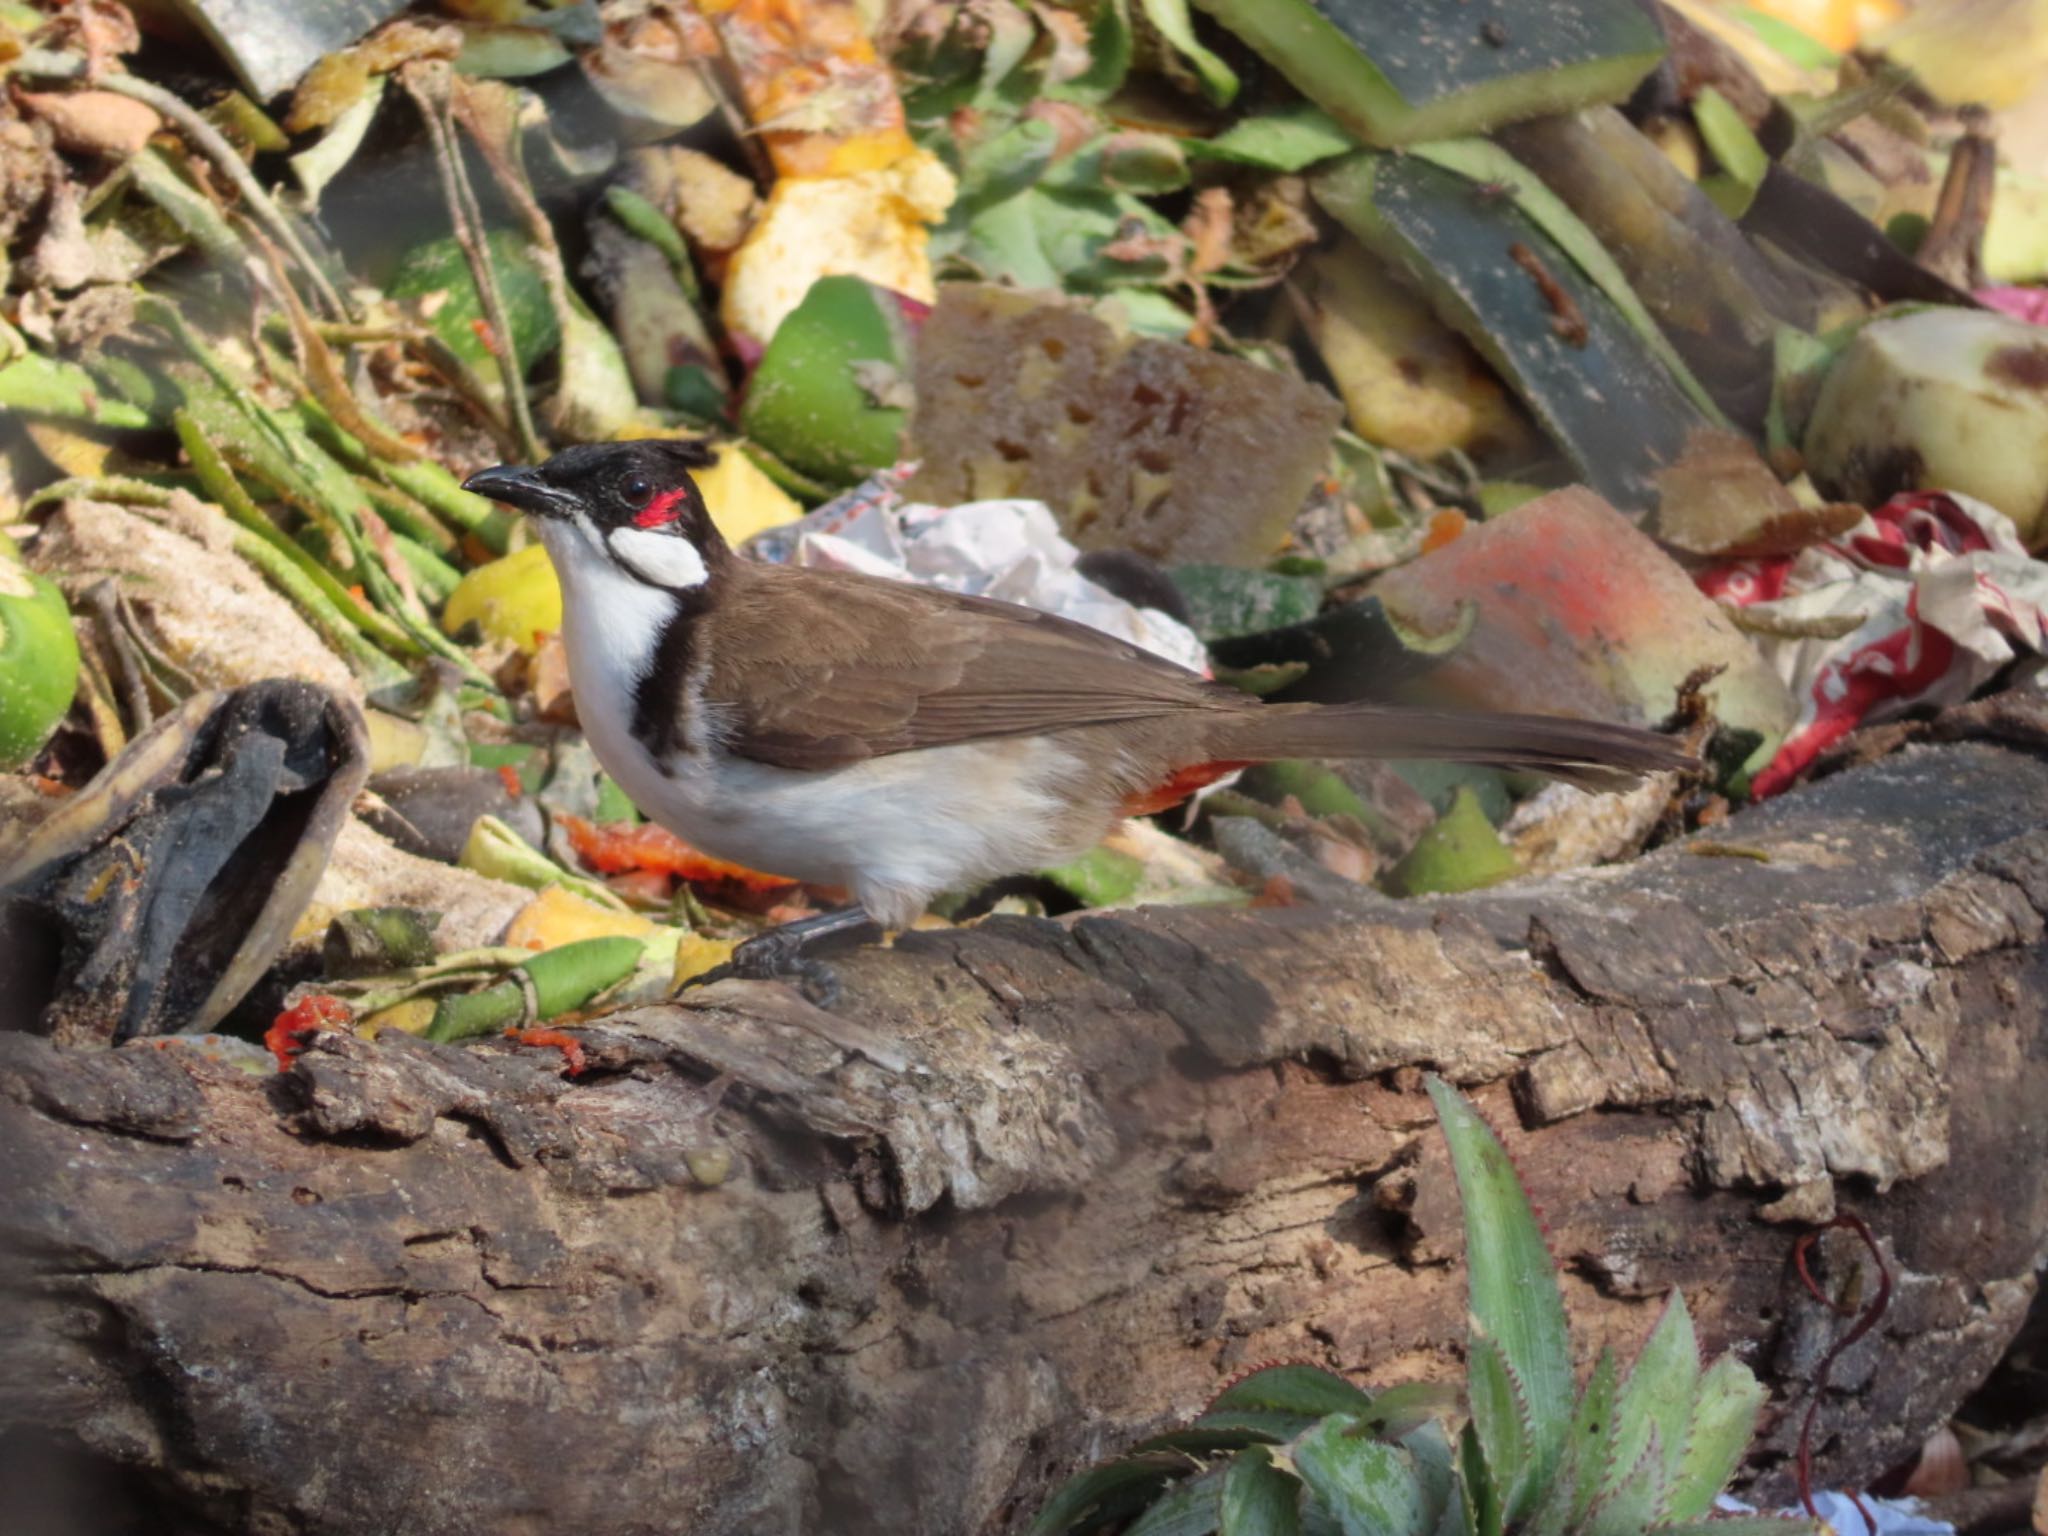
[{"x": 881, "y": 666}]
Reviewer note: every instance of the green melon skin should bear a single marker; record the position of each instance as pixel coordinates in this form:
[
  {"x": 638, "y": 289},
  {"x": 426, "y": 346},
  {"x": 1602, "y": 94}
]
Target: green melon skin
[
  {"x": 807, "y": 403},
  {"x": 1405, "y": 71},
  {"x": 38, "y": 663}
]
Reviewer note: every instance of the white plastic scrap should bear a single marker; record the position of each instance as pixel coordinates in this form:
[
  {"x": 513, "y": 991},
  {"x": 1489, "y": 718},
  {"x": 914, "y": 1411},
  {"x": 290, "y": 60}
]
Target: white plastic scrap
[{"x": 1012, "y": 550}]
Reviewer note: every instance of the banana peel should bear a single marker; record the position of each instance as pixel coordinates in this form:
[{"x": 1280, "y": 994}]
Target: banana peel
[{"x": 1408, "y": 381}]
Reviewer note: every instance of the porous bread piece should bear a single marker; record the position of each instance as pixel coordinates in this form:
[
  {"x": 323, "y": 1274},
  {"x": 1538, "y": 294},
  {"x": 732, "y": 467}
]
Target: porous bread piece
[{"x": 1134, "y": 443}]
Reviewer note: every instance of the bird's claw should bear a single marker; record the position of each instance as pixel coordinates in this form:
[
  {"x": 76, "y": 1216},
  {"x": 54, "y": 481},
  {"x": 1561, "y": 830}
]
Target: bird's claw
[
  {"x": 772, "y": 956},
  {"x": 775, "y": 956}
]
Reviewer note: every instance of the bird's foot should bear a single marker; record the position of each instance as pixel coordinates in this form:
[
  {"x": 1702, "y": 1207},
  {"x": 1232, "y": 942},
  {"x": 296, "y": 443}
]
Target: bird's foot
[
  {"x": 783, "y": 954},
  {"x": 772, "y": 957}
]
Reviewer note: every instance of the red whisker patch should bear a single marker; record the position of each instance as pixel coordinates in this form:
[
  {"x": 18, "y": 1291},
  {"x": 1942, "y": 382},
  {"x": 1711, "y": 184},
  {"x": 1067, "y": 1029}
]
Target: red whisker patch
[{"x": 665, "y": 508}]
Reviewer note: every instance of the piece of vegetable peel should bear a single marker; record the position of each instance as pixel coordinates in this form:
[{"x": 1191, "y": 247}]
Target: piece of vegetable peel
[
  {"x": 1403, "y": 71},
  {"x": 1409, "y": 382},
  {"x": 1581, "y": 611},
  {"x": 1940, "y": 399},
  {"x": 819, "y": 95},
  {"x": 831, "y": 393},
  {"x": 1460, "y": 852},
  {"x": 38, "y": 662},
  {"x": 873, "y": 224}
]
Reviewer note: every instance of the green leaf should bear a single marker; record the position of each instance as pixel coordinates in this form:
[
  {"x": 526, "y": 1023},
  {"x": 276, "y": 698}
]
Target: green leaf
[
  {"x": 1434, "y": 1470},
  {"x": 1515, "y": 1300},
  {"x": 1399, "y": 1411},
  {"x": 1628, "y": 1506},
  {"x": 1591, "y": 1447},
  {"x": 1741, "y": 157},
  {"x": 1561, "y": 1507},
  {"x": 1723, "y": 1419},
  {"x": 1114, "y": 1490},
  {"x": 1475, "y": 1481},
  {"x": 1200, "y": 1440},
  {"x": 1501, "y": 1415},
  {"x": 1275, "y": 1426},
  {"x": 1191, "y": 1509},
  {"x": 1219, "y": 80},
  {"x": 1371, "y": 1487},
  {"x": 46, "y": 386},
  {"x": 1001, "y": 166},
  {"x": 1657, "y": 1399},
  {"x": 1110, "y": 46},
  {"x": 1258, "y": 1498},
  {"x": 1307, "y": 1389},
  {"x": 1792, "y": 44},
  {"x": 1292, "y": 139}
]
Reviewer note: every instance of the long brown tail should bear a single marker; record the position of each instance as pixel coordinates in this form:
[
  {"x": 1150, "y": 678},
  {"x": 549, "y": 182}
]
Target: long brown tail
[{"x": 1590, "y": 753}]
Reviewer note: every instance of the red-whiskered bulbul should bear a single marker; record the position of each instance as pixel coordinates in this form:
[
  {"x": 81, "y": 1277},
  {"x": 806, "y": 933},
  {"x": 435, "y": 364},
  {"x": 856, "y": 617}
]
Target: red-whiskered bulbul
[{"x": 902, "y": 741}]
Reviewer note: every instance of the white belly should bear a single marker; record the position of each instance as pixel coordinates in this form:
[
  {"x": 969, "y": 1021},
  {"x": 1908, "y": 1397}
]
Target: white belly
[{"x": 896, "y": 830}]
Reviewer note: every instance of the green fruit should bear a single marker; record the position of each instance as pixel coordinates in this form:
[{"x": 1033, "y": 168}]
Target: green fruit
[
  {"x": 38, "y": 662},
  {"x": 828, "y": 398},
  {"x": 1461, "y": 852},
  {"x": 439, "y": 266}
]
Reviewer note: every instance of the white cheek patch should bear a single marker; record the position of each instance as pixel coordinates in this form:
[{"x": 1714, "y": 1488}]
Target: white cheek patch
[{"x": 664, "y": 559}]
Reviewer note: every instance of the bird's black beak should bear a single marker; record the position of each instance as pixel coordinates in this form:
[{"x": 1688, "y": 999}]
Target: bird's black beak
[{"x": 517, "y": 485}]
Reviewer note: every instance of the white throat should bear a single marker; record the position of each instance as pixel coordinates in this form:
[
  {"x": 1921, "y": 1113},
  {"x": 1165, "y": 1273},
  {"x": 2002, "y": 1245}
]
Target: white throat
[{"x": 611, "y": 623}]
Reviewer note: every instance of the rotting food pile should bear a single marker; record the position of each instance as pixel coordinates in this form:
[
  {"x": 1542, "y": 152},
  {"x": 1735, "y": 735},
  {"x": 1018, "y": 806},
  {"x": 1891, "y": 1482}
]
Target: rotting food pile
[{"x": 1660, "y": 363}]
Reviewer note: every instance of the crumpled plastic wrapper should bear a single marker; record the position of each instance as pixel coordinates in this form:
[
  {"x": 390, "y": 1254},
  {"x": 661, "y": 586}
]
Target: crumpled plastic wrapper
[
  {"x": 1946, "y": 595},
  {"x": 1012, "y": 550}
]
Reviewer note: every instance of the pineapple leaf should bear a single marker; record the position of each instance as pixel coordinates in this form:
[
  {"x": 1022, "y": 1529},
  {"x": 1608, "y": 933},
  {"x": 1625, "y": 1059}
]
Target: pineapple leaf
[
  {"x": 1303, "y": 1389},
  {"x": 1593, "y": 1435},
  {"x": 1192, "y": 1508},
  {"x": 1724, "y": 1414},
  {"x": 1500, "y": 1413},
  {"x": 1258, "y": 1498},
  {"x": 1627, "y": 1506},
  {"x": 1372, "y": 1488},
  {"x": 1115, "y": 1490},
  {"x": 1400, "y": 1409},
  {"x": 1563, "y": 1506},
  {"x": 1475, "y": 1480},
  {"x": 1515, "y": 1297},
  {"x": 1434, "y": 1471},
  {"x": 1277, "y": 1427},
  {"x": 1207, "y": 1440},
  {"x": 1658, "y": 1397}
]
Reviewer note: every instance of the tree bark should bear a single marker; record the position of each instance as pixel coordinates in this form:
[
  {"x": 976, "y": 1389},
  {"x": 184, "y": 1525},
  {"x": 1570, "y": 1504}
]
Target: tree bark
[{"x": 1037, "y": 1188}]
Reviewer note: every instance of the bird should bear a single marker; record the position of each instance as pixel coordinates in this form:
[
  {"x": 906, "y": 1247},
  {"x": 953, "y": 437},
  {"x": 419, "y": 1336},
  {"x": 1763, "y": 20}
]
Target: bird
[{"x": 902, "y": 741}]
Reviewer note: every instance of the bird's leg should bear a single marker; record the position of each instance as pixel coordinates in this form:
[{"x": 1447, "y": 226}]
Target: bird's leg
[{"x": 779, "y": 954}]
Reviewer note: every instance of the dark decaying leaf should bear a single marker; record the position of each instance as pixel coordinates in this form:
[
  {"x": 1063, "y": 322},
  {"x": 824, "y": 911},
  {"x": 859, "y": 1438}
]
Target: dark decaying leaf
[{"x": 153, "y": 899}]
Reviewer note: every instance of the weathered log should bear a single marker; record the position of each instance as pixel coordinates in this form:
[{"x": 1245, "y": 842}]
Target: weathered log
[{"x": 1038, "y": 1187}]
